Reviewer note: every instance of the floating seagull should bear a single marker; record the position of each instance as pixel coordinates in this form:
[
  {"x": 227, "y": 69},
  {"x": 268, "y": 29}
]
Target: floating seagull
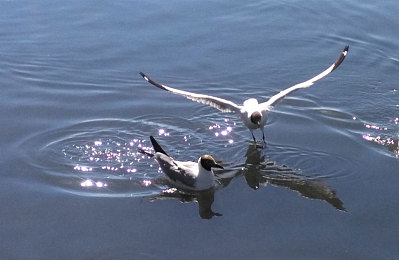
[
  {"x": 253, "y": 114},
  {"x": 186, "y": 175}
]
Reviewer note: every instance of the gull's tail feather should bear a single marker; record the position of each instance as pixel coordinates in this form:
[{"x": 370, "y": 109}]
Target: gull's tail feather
[{"x": 157, "y": 147}]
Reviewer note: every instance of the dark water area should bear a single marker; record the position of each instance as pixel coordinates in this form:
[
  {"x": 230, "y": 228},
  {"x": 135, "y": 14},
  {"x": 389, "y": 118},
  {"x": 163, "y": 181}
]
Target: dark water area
[{"x": 74, "y": 111}]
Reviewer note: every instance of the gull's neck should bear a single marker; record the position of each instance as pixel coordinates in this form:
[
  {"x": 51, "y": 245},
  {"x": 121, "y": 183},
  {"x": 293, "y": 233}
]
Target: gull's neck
[{"x": 205, "y": 178}]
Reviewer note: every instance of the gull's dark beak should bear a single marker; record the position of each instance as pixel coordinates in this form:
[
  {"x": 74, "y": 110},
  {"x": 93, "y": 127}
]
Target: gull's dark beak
[{"x": 218, "y": 166}]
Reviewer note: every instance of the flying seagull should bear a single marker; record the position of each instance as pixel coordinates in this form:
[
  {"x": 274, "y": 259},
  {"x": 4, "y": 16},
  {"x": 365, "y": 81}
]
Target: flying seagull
[
  {"x": 187, "y": 175},
  {"x": 253, "y": 114}
]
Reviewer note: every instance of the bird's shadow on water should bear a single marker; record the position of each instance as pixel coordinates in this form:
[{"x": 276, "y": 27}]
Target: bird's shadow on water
[{"x": 258, "y": 171}]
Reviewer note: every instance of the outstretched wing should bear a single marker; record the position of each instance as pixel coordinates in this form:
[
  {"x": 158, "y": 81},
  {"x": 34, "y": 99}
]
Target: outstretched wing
[
  {"x": 218, "y": 103},
  {"x": 278, "y": 97}
]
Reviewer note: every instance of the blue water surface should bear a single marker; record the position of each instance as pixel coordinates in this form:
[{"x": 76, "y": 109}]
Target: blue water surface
[{"x": 74, "y": 111}]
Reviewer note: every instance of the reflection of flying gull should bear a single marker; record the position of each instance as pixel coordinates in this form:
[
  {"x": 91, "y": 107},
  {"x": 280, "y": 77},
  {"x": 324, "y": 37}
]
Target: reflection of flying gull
[
  {"x": 253, "y": 114},
  {"x": 259, "y": 171},
  {"x": 187, "y": 175}
]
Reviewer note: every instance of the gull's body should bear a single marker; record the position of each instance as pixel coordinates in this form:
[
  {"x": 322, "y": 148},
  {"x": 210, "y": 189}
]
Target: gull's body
[
  {"x": 253, "y": 114},
  {"x": 186, "y": 175}
]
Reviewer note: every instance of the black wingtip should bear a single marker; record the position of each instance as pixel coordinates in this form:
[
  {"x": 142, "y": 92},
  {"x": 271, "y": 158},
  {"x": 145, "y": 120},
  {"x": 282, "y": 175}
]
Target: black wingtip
[
  {"x": 157, "y": 147},
  {"x": 152, "y": 82},
  {"x": 144, "y": 76},
  {"x": 345, "y": 50},
  {"x": 341, "y": 57}
]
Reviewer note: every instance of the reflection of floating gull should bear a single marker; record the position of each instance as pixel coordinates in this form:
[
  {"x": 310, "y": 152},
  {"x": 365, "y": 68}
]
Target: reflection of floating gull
[
  {"x": 204, "y": 199},
  {"x": 253, "y": 114},
  {"x": 186, "y": 175},
  {"x": 258, "y": 171}
]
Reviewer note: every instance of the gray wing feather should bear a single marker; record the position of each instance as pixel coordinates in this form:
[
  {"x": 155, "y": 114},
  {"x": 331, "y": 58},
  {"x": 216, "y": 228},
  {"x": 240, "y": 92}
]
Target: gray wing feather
[
  {"x": 174, "y": 171},
  {"x": 218, "y": 103}
]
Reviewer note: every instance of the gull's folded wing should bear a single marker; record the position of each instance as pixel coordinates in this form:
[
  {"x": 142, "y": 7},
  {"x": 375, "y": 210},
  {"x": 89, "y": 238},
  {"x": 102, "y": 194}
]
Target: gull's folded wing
[{"x": 175, "y": 170}]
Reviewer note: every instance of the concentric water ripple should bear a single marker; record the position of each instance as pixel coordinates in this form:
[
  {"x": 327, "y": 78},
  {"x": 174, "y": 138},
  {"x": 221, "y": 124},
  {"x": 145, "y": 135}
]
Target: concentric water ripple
[
  {"x": 100, "y": 157},
  {"x": 315, "y": 164}
]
